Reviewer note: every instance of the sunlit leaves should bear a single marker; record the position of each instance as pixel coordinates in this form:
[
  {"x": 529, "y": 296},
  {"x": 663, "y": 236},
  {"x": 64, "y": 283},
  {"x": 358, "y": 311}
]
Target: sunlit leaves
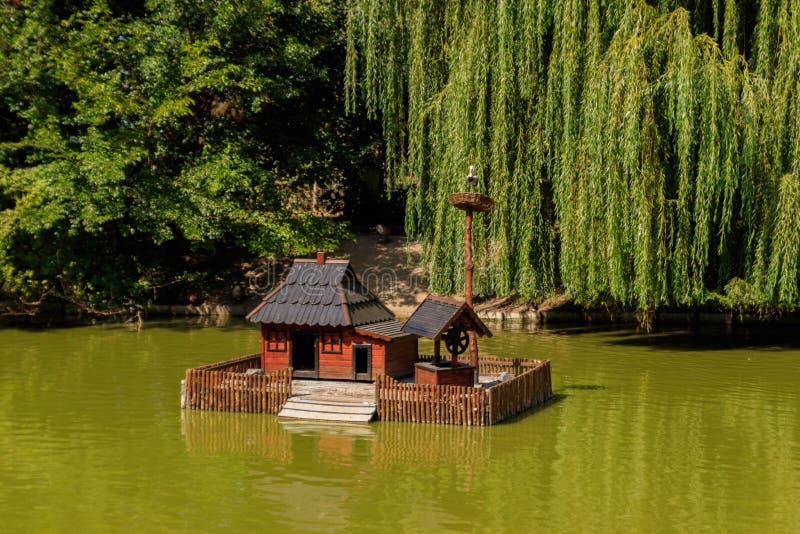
[{"x": 134, "y": 138}]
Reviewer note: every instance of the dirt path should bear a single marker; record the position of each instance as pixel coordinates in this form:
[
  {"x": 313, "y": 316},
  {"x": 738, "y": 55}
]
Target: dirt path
[{"x": 390, "y": 270}]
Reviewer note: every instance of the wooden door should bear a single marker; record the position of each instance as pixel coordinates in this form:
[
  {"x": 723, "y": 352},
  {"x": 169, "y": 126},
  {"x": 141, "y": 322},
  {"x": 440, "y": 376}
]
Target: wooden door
[
  {"x": 362, "y": 361},
  {"x": 304, "y": 354}
]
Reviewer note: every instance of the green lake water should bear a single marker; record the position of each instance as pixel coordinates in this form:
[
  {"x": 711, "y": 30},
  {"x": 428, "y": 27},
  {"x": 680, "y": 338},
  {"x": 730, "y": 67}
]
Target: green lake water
[{"x": 674, "y": 431}]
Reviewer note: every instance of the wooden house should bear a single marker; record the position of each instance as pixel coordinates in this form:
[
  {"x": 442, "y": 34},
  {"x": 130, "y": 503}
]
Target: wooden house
[{"x": 324, "y": 323}]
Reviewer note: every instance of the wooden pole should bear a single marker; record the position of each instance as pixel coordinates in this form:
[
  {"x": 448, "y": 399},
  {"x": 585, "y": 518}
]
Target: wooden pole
[
  {"x": 436, "y": 349},
  {"x": 468, "y": 269}
]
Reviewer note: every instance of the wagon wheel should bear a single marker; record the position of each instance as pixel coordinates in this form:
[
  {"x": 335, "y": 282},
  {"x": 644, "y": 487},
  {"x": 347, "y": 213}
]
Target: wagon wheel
[{"x": 456, "y": 340}]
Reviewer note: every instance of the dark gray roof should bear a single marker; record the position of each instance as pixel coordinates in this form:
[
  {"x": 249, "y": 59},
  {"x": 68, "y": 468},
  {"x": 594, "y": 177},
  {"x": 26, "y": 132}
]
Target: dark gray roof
[
  {"x": 435, "y": 315},
  {"x": 327, "y": 294},
  {"x": 384, "y": 330}
]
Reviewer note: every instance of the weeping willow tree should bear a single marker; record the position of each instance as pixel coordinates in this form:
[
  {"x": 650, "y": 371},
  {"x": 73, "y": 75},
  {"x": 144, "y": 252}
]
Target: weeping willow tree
[{"x": 645, "y": 154}]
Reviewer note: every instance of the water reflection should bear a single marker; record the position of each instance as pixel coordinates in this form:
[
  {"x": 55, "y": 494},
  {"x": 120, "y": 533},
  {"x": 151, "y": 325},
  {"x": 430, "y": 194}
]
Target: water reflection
[
  {"x": 645, "y": 434},
  {"x": 380, "y": 445},
  {"x": 323, "y": 476},
  {"x": 251, "y": 434}
]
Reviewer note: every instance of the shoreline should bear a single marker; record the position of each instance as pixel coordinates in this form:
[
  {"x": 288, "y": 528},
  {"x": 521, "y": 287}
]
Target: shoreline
[
  {"x": 57, "y": 315},
  {"x": 524, "y": 318},
  {"x": 401, "y": 286}
]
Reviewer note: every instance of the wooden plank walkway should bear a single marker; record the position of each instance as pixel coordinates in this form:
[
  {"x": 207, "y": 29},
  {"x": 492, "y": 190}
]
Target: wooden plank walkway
[
  {"x": 318, "y": 410},
  {"x": 333, "y": 390},
  {"x": 331, "y": 400}
]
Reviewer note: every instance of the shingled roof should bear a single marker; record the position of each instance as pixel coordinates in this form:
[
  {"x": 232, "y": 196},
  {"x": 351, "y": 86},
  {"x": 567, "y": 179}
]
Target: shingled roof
[
  {"x": 385, "y": 330},
  {"x": 325, "y": 293},
  {"x": 436, "y": 315}
]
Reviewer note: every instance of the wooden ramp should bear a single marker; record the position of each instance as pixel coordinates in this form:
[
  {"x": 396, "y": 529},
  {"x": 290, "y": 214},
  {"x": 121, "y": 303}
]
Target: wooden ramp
[{"x": 328, "y": 410}]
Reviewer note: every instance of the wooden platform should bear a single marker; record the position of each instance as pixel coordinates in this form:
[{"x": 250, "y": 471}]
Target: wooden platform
[{"x": 328, "y": 410}]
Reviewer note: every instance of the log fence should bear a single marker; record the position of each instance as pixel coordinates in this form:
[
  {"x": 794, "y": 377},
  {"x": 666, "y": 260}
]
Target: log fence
[
  {"x": 226, "y": 387},
  {"x": 423, "y": 403},
  {"x": 239, "y": 365},
  {"x": 459, "y": 405},
  {"x": 531, "y": 388}
]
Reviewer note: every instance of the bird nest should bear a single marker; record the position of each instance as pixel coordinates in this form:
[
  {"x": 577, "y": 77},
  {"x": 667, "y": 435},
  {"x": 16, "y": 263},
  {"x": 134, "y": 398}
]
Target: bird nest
[{"x": 473, "y": 201}]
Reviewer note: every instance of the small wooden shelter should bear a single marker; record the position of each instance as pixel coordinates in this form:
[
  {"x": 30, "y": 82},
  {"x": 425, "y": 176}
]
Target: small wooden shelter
[
  {"x": 443, "y": 318},
  {"x": 324, "y": 323}
]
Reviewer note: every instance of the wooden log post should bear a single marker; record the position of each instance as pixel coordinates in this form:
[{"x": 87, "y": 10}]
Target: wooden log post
[
  {"x": 205, "y": 381},
  {"x": 224, "y": 396},
  {"x": 469, "y": 267},
  {"x": 273, "y": 390},
  {"x": 250, "y": 391},
  {"x": 188, "y": 391}
]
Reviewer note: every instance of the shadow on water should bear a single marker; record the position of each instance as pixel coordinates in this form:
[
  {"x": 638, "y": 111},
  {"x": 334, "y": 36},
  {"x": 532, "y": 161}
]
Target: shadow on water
[
  {"x": 608, "y": 330},
  {"x": 557, "y": 398},
  {"x": 580, "y": 329},
  {"x": 690, "y": 338},
  {"x": 221, "y": 322},
  {"x": 711, "y": 339},
  {"x": 40, "y": 324}
]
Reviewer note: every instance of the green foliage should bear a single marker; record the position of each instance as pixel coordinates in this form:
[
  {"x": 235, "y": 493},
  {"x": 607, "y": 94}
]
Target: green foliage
[
  {"x": 642, "y": 153},
  {"x": 135, "y": 134}
]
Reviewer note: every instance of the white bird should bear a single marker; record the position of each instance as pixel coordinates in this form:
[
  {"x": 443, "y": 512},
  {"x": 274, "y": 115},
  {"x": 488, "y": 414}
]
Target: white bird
[{"x": 472, "y": 177}]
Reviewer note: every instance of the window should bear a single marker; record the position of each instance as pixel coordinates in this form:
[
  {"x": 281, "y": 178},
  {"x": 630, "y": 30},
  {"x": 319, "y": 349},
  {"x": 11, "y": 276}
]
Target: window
[
  {"x": 332, "y": 342},
  {"x": 276, "y": 341}
]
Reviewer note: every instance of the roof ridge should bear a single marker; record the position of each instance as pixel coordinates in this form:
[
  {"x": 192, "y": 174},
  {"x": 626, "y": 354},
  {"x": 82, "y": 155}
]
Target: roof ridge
[
  {"x": 327, "y": 262},
  {"x": 445, "y": 300},
  {"x": 318, "y": 294}
]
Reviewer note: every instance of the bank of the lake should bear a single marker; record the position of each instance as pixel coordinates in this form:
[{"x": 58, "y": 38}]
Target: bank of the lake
[{"x": 693, "y": 430}]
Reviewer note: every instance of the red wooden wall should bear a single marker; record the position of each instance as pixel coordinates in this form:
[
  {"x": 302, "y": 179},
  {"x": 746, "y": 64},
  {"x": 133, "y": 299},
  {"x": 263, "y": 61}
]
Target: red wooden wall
[
  {"x": 273, "y": 360},
  {"x": 394, "y": 358},
  {"x": 401, "y": 354},
  {"x": 332, "y": 365},
  {"x": 463, "y": 376}
]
